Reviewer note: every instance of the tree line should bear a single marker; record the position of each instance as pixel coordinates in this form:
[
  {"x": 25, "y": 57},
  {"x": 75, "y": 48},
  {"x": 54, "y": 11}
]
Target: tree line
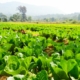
[{"x": 21, "y": 16}]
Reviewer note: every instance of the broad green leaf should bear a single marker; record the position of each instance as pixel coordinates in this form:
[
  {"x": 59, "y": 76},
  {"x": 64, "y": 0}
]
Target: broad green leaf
[
  {"x": 77, "y": 57},
  {"x": 73, "y": 68},
  {"x": 71, "y": 63},
  {"x": 13, "y": 66},
  {"x": 2, "y": 65},
  {"x": 42, "y": 75},
  {"x": 68, "y": 54},
  {"x": 26, "y": 62},
  {"x": 64, "y": 65},
  {"x": 58, "y": 73}
]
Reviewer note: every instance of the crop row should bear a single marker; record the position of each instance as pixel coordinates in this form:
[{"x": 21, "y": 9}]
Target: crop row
[{"x": 39, "y": 51}]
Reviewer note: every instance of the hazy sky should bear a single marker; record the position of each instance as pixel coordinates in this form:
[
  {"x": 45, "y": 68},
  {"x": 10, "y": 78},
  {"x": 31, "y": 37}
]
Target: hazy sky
[{"x": 67, "y": 6}]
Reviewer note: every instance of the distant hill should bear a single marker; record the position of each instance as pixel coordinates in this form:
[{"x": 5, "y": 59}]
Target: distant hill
[
  {"x": 37, "y": 12},
  {"x": 11, "y": 8},
  {"x": 58, "y": 16}
]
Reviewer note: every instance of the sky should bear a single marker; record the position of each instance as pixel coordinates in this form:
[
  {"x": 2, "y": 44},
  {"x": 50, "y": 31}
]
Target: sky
[{"x": 66, "y": 6}]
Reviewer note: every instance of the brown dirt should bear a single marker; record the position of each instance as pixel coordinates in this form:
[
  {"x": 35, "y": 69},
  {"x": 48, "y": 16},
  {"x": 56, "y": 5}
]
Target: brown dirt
[
  {"x": 3, "y": 77},
  {"x": 49, "y": 50},
  {"x": 23, "y": 31},
  {"x": 66, "y": 41}
]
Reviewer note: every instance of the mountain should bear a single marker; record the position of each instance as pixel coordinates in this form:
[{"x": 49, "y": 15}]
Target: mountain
[{"x": 11, "y": 8}]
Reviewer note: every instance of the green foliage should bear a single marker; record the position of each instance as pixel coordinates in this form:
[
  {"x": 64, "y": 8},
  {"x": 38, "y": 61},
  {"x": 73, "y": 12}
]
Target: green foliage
[
  {"x": 39, "y": 51},
  {"x": 23, "y": 11},
  {"x": 15, "y": 17},
  {"x": 42, "y": 75},
  {"x": 68, "y": 54},
  {"x": 29, "y": 18}
]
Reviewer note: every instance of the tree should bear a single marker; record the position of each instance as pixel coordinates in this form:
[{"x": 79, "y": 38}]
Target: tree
[
  {"x": 23, "y": 11},
  {"x": 3, "y": 17},
  {"x": 0, "y": 19},
  {"x": 29, "y": 18},
  {"x": 46, "y": 19},
  {"x": 15, "y": 17},
  {"x": 79, "y": 17},
  {"x": 52, "y": 19}
]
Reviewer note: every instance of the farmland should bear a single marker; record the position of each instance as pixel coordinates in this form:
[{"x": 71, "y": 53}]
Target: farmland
[{"x": 39, "y": 51}]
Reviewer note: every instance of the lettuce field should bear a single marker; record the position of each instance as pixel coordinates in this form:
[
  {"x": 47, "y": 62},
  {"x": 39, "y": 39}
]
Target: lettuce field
[{"x": 39, "y": 51}]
